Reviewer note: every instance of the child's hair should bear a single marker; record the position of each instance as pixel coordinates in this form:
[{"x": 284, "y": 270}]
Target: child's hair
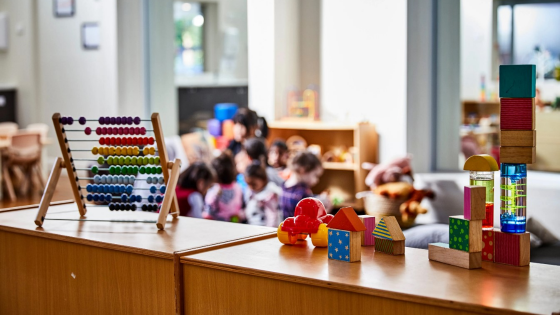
[
  {"x": 257, "y": 170},
  {"x": 194, "y": 173},
  {"x": 262, "y": 128},
  {"x": 247, "y": 118},
  {"x": 281, "y": 145},
  {"x": 225, "y": 168},
  {"x": 256, "y": 149},
  {"x": 305, "y": 161}
]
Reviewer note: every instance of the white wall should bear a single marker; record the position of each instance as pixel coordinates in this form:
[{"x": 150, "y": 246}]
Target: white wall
[
  {"x": 476, "y": 46},
  {"x": 260, "y": 29},
  {"x": 74, "y": 81},
  {"x": 17, "y": 64},
  {"x": 364, "y": 67}
]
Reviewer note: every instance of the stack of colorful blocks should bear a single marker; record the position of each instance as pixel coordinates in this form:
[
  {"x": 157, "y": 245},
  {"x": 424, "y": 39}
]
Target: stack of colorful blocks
[
  {"x": 465, "y": 233},
  {"x": 517, "y": 114}
]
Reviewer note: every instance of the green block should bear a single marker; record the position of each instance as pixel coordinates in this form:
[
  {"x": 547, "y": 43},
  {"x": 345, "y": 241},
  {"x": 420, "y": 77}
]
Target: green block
[
  {"x": 459, "y": 234},
  {"x": 517, "y": 81}
]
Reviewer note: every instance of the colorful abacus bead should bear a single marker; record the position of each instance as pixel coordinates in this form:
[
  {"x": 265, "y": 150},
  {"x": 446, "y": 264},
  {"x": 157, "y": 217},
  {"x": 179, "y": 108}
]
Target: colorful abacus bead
[
  {"x": 87, "y": 131},
  {"x": 82, "y": 120},
  {"x": 162, "y": 189},
  {"x": 150, "y": 198},
  {"x": 159, "y": 198},
  {"x": 101, "y": 160}
]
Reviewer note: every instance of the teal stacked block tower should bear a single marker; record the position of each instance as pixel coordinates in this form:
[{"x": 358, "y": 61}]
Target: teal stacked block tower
[{"x": 517, "y": 143}]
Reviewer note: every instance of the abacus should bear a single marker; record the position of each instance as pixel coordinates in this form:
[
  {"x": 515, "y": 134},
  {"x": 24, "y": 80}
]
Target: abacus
[{"x": 126, "y": 151}]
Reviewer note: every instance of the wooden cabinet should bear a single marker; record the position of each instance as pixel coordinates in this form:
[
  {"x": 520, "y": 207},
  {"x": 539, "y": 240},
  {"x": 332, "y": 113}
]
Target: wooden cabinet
[{"x": 342, "y": 179}]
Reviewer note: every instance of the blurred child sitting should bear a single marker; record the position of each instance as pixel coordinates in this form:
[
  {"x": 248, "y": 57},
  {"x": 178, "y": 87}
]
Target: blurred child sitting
[
  {"x": 224, "y": 201},
  {"x": 262, "y": 197},
  {"x": 245, "y": 123},
  {"x": 278, "y": 155},
  {"x": 306, "y": 170},
  {"x": 255, "y": 150},
  {"x": 193, "y": 185}
]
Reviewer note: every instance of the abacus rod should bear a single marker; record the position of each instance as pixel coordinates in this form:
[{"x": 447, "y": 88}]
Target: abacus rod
[
  {"x": 84, "y": 159},
  {"x": 82, "y": 150},
  {"x": 82, "y": 140},
  {"x": 98, "y": 205},
  {"x": 118, "y": 184},
  {"x": 91, "y": 178},
  {"x": 82, "y": 130},
  {"x": 89, "y": 119},
  {"x": 123, "y": 221}
]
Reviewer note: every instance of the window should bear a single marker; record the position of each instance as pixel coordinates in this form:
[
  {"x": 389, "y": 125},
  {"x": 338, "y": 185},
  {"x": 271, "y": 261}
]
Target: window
[
  {"x": 189, "y": 38},
  {"x": 530, "y": 34}
]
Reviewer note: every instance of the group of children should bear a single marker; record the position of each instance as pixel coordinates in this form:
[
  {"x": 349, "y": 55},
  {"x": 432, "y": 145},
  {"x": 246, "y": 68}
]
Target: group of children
[{"x": 248, "y": 183}]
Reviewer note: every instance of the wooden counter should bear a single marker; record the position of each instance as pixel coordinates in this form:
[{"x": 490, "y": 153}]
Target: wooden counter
[
  {"x": 77, "y": 267},
  {"x": 266, "y": 277}
]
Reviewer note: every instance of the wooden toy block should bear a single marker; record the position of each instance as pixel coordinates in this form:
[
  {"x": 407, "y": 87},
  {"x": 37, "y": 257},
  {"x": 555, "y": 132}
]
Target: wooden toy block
[
  {"x": 388, "y": 228},
  {"x": 442, "y": 253},
  {"x": 345, "y": 245},
  {"x": 517, "y": 80},
  {"x": 512, "y": 248},
  {"x": 389, "y": 237},
  {"x": 367, "y": 236},
  {"x": 518, "y": 138},
  {"x": 474, "y": 207},
  {"x": 465, "y": 235},
  {"x": 488, "y": 245},
  {"x": 389, "y": 246},
  {"x": 523, "y": 155},
  {"x": 517, "y": 114},
  {"x": 347, "y": 219}
]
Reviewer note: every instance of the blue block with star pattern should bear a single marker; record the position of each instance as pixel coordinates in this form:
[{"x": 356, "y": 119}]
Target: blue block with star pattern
[{"x": 344, "y": 245}]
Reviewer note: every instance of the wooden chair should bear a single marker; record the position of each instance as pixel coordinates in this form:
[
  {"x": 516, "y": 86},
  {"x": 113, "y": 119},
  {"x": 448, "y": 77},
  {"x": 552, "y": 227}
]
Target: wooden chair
[
  {"x": 7, "y": 129},
  {"x": 23, "y": 160}
]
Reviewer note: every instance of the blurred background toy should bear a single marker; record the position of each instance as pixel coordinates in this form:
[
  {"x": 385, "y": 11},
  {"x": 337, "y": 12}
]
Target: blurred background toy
[{"x": 392, "y": 192}]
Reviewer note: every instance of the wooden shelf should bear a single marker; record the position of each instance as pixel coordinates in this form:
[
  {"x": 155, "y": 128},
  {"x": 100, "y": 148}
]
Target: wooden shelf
[
  {"x": 311, "y": 125},
  {"x": 343, "y": 180},
  {"x": 339, "y": 166}
]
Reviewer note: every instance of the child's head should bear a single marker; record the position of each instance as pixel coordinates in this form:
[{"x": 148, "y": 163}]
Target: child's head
[
  {"x": 197, "y": 176},
  {"x": 255, "y": 176},
  {"x": 245, "y": 122},
  {"x": 278, "y": 154},
  {"x": 256, "y": 149},
  {"x": 225, "y": 168},
  {"x": 307, "y": 167}
]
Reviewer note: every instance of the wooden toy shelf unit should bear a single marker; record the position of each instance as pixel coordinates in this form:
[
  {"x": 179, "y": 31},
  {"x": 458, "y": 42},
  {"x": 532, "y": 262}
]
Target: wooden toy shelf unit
[
  {"x": 128, "y": 151},
  {"x": 342, "y": 179}
]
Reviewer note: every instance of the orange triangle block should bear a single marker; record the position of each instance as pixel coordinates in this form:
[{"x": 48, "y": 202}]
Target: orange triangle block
[{"x": 346, "y": 219}]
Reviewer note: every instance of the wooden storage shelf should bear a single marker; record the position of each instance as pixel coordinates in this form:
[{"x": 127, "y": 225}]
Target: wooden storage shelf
[
  {"x": 339, "y": 166},
  {"x": 343, "y": 180}
]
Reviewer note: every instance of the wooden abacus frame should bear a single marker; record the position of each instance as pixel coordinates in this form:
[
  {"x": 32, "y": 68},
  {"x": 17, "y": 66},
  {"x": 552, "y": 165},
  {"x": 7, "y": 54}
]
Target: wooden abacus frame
[{"x": 170, "y": 175}]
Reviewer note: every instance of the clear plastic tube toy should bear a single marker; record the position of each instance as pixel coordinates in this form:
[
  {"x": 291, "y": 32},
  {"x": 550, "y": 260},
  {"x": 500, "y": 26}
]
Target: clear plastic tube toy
[
  {"x": 485, "y": 179},
  {"x": 513, "y": 197}
]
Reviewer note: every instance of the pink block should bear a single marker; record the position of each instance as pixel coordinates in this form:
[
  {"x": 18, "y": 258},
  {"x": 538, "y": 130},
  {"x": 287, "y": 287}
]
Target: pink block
[
  {"x": 369, "y": 222},
  {"x": 467, "y": 203},
  {"x": 474, "y": 203}
]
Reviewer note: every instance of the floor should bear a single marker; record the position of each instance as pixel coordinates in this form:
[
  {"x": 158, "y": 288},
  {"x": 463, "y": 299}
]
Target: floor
[{"x": 62, "y": 192}]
